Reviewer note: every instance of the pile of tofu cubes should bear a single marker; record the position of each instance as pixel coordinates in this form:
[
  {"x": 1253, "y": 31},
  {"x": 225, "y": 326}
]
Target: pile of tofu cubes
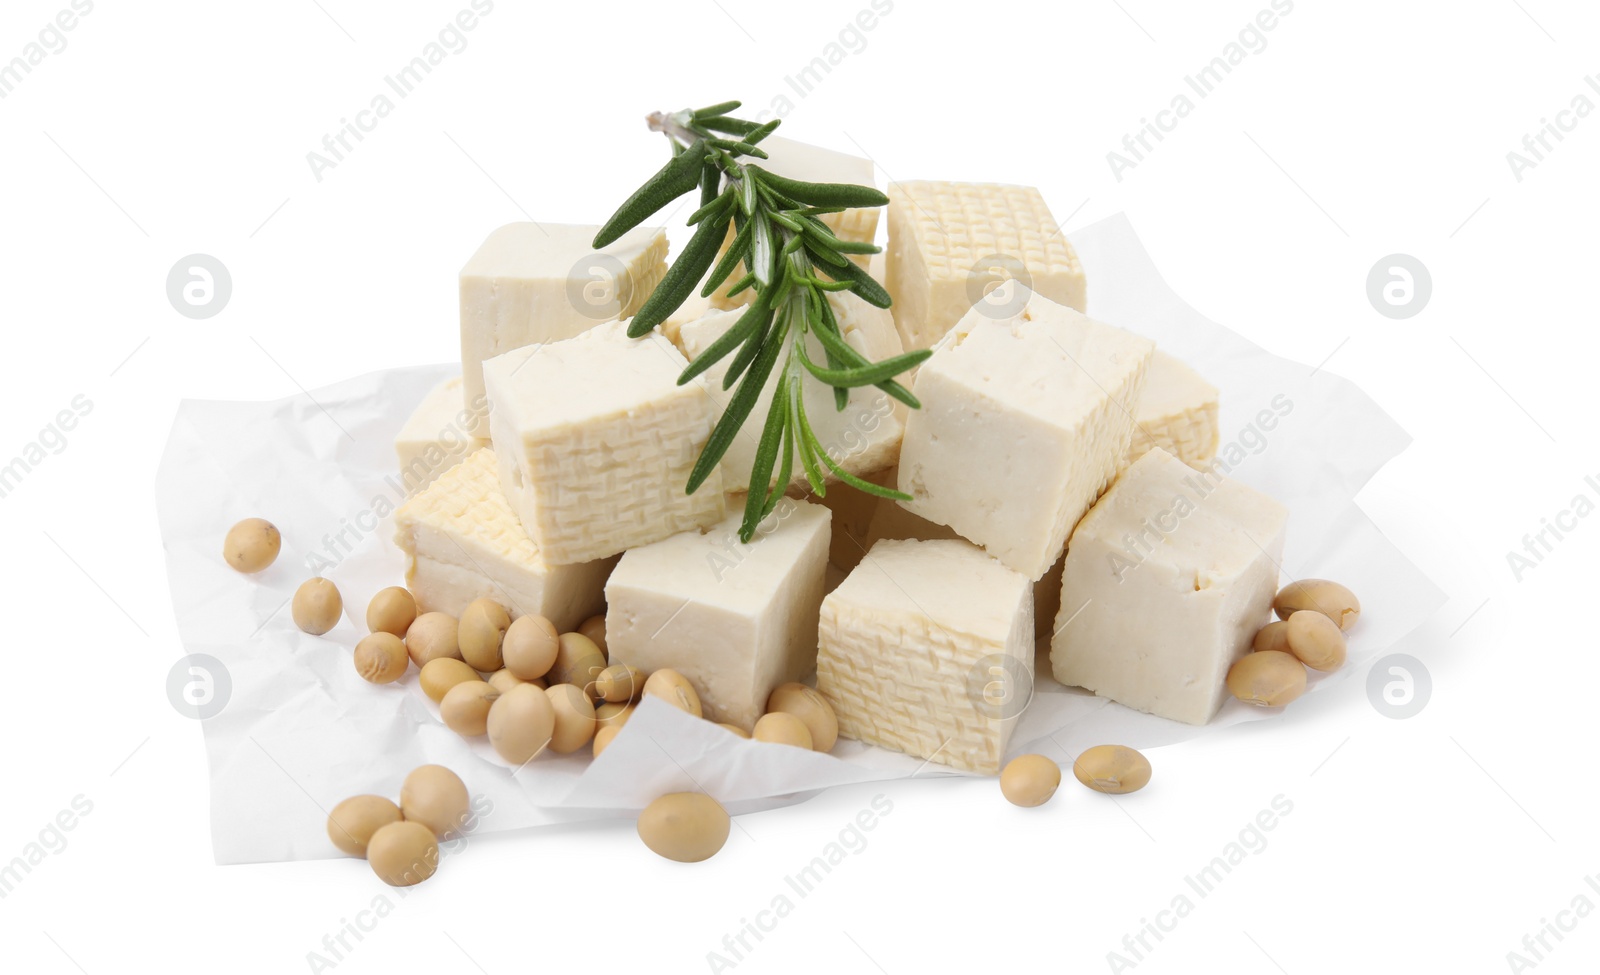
[{"x": 1060, "y": 470}]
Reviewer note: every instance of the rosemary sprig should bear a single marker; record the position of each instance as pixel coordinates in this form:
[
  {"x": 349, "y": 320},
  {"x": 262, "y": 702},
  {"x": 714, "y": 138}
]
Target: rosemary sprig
[{"x": 793, "y": 261}]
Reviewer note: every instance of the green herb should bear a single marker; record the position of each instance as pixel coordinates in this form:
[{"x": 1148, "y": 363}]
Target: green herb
[{"x": 792, "y": 260}]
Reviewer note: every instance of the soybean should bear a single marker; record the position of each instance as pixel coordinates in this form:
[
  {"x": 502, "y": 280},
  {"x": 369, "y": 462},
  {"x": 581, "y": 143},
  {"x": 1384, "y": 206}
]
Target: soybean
[
  {"x": 736, "y": 729},
  {"x": 381, "y": 658},
  {"x": 684, "y": 826},
  {"x": 439, "y": 675},
  {"x": 465, "y": 707},
  {"x": 675, "y": 689},
  {"x": 353, "y": 821},
  {"x": 595, "y": 629},
  {"x": 1267, "y": 678},
  {"x": 435, "y": 797},
  {"x": 431, "y": 636},
  {"x": 521, "y": 723},
  {"x": 1332, "y": 600},
  {"x": 578, "y": 661},
  {"x": 505, "y": 680},
  {"x": 574, "y": 718},
  {"x": 403, "y": 854},
  {"x": 782, "y": 728},
  {"x": 530, "y": 645},
  {"x": 610, "y": 715},
  {"x": 1113, "y": 769},
  {"x": 1316, "y": 640},
  {"x": 1273, "y": 636},
  {"x": 317, "y": 606},
  {"x": 810, "y": 707},
  {"x": 252, "y": 545},
  {"x": 479, "y": 634},
  {"x": 620, "y": 684},
  {"x": 1029, "y": 780},
  {"x": 391, "y": 611},
  {"x": 602, "y": 738}
]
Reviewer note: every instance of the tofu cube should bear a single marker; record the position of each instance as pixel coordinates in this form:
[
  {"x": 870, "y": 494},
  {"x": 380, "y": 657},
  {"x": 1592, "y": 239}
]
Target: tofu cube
[
  {"x": 435, "y": 438},
  {"x": 737, "y": 620},
  {"x": 1025, "y": 419},
  {"x": 596, "y": 441},
  {"x": 533, "y": 282},
  {"x": 927, "y": 649},
  {"x": 951, "y": 243},
  {"x": 463, "y": 542},
  {"x": 864, "y": 438},
  {"x": 890, "y": 520},
  {"x": 1178, "y": 412},
  {"x": 1167, "y": 580}
]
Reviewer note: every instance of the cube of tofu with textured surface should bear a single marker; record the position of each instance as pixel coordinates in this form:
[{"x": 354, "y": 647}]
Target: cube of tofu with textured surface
[
  {"x": 813, "y": 164},
  {"x": 532, "y": 282},
  {"x": 890, "y": 520},
  {"x": 463, "y": 542},
  {"x": 864, "y": 438},
  {"x": 596, "y": 440},
  {"x": 735, "y": 619},
  {"x": 1178, "y": 412},
  {"x": 435, "y": 438},
  {"x": 951, "y": 243},
  {"x": 1024, "y": 420},
  {"x": 927, "y": 649},
  {"x": 1170, "y": 575}
]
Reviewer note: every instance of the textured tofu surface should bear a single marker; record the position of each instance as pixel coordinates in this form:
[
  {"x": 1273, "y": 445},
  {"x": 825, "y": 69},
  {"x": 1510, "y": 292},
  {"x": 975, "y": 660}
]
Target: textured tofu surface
[
  {"x": 863, "y": 439},
  {"x": 1024, "y": 421},
  {"x": 737, "y": 620},
  {"x": 531, "y": 282},
  {"x": 891, "y": 520},
  {"x": 1170, "y": 575},
  {"x": 950, "y": 243},
  {"x": 912, "y": 645},
  {"x": 596, "y": 440},
  {"x": 463, "y": 542},
  {"x": 1178, "y": 412},
  {"x": 435, "y": 438}
]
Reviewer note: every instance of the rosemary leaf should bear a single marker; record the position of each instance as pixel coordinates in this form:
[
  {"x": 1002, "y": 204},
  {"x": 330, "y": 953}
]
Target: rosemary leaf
[
  {"x": 730, "y": 260},
  {"x": 742, "y": 329},
  {"x": 823, "y": 194},
  {"x": 732, "y": 126},
  {"x": 808, "y": 444},
  {"x": 680, "y": 175},
  {"x": 681, "y": 277},
  {"x": 869, "y": 375},
  {"x": 861, "y": 283},
  {"x": 720, "y": 108}
]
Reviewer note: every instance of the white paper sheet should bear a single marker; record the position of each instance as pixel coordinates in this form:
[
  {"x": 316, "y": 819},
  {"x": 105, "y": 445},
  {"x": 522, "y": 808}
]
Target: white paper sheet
[{"x": 301, "y": 731}]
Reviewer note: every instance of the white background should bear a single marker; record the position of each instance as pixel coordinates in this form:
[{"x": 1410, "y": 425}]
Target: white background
[{"x": 1362, "y": 129}]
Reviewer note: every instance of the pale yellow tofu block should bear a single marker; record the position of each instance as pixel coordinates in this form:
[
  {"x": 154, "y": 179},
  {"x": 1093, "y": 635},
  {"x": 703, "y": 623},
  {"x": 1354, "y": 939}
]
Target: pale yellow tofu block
[
  {"x": 735, "y": 619},
  {"x": 435, "y": 438},
  {"x": 533, "y": 282},
  {"x": 463, "y": 542},
  {"x": 1178, "y": 412},
  {"x": 596, "y": 440},
  {"x": 1024, "y": 421},
  {"x": 951, "y": 244},
  {"x": 891, "y": 520},
  {"x": 927, "y": 648},
  {"x": 1170, "y": 575}
]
